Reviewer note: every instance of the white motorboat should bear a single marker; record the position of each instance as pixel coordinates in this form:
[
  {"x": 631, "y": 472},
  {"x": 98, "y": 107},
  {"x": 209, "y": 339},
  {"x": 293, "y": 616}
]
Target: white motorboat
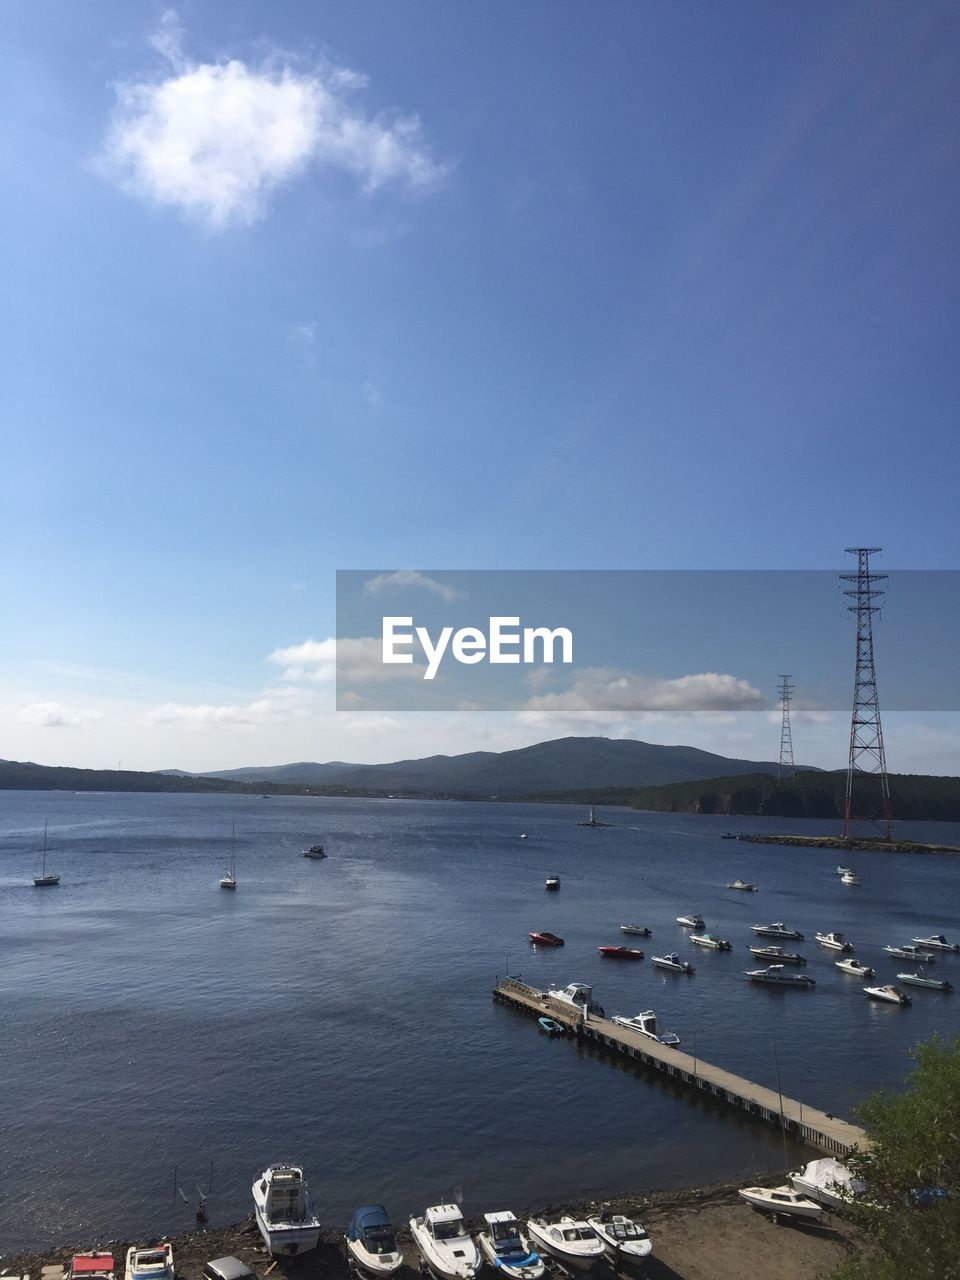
[
  {"x": 552, "y": 882},
  {"x": 781, "y": 1200},
  {"x": 834, "y": 941},
  {"x": 844, "y": 871},
  {"x": 856, "y": 967},
  {"x": 712, "y": 941},
  {"x": 577, "y": 996},
  {"x": 639, "y": 929},
  {"x": 889, "y": 994},
  {"x": 372, "y": 1249},
  {"x": 777, "y": 976},
  {"x": 673, "y": 963},
  {"x": 937, "y": 942},
  {"x": 777, "y": 930},
  {"x": 444, "y": 1244},
  {"x": 692, "y": 921},
  {"x": 571, "y": 1241},
  {"x": 505, "y": 1247},
  {"x": 149, "y": 1263},
  {"x": 828, "y": 1182},
  {"x": 523, "y": 835},
  {"x": 46, "y": 879},
  {"x": 909, "y": 952},
  {"x": 745, "y": 885},
  {"x": 626, "y": 1243},
  {"x": 284, "y": 1214},
  {"x": 646, "y": 1024},
  {"x": 777, "y": 955},
  {"x": 919, "y": 980},
  {"x": 849, "y": 877}
]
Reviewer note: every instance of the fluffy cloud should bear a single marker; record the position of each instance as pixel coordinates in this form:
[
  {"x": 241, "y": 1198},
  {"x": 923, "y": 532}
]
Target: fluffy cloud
[
  {"x": 214, "y": 139},
  {"x": 598, "y": 690},
  {"x": 356, "y": 661},
  {"x": 404, "y": 579},
  {"x": 53, "y": 715},
  {"x": 275, "y": 706}
]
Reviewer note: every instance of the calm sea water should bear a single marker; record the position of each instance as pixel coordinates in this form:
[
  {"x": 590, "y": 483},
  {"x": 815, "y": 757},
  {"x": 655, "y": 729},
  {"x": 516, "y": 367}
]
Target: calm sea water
[{"x": 340, "y": 1012}]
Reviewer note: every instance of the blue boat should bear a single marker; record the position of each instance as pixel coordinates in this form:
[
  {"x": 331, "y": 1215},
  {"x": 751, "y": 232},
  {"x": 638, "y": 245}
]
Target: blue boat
[
  {"x": 551, "y": 1027},
  {"x": 372, "y": 1248}
]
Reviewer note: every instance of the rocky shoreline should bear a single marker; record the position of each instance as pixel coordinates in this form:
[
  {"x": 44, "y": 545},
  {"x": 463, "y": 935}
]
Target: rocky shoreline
[{"x": 702, "y": 1233}]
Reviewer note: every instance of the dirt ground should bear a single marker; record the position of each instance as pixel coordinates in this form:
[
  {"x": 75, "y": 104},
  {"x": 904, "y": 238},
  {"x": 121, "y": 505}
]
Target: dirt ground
[{"x": 707, "y": 1234}]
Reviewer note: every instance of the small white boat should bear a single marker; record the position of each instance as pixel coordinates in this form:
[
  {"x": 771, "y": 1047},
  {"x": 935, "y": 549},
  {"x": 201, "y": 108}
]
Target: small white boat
[
  {"x": 646, "y": 1025},
  {"x": 744, "y": 885},
  {"x": 626, "y": 1243},
  {"x": 673, "y": 963},
  {"x": 444, "y": 1244},
  {"x": 577, "y": 997},
  {"x": 505, "y": 1247},
  {"x": 573, "y": 1242},
  {"x": 284, "y": 1214},
  {"x": 856, "y": 967},
  {"x": 849, "y": 877},
  {"x": 834, "y": 941},
  {"x": 918, "y": 980},
  {"x": 828, "y": 1182},
  {"x": 781, "y": 1200},
  {"x": 777, "y": 955},
  {"x": 777, "y": 976},
  {"x": 153, "y": 1263},
  {"x": 639, "y": 929},
  {"x": 692, "y": 921},
  {"x": 909, "y": 952},
  {"x": 889, "y": 994},
  {"x": 552, "y": 882},
  {"x": 372, "y": 1248},
  {"x": 523, "y": 835},
  {"x": 46, "y": 879},
  {"x": 712, "y": 941},
  {"x": 937, "y": 942},
  {"x": 229, "y": 879},
  {"x": 777, "y": 930},
  {"x": 844, "y": 871}
]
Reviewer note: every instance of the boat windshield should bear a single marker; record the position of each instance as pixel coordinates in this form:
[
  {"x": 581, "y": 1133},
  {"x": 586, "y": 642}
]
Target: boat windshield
[
  {"x": 578, "y": 1233},
  {"x": 380, "y": 1240},
  {"x": 449, "y": 1230},
  {"x": 506, "y": 1233},
  {"x": 626, "y": 1231}
]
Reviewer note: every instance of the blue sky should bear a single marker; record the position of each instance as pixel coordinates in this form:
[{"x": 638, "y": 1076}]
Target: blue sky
[{"x": 290, "y": 289}]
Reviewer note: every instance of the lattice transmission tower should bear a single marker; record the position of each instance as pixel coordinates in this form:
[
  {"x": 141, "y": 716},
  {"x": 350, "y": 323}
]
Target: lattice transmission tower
[
  {"x": 786, "y": 769},
  {"x": 868, "y": 791}
]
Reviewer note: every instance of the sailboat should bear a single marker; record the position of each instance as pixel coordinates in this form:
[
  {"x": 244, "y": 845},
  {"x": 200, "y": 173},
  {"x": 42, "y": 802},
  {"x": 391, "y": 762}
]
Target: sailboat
[
  {"x": 229, "y": 881},
  {"x": 44, "y": 880}
]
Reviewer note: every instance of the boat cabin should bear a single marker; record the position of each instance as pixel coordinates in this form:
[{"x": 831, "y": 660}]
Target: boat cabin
[
  {"x": 284, "y": 1194},
  {"x": 445, "y": 1222},
  {"x": 371, "y": 1226},
  {"x": 504, "y": 1232},
  {"x": 577, "y": 995},
  {"x": 91, "y": 1266}
]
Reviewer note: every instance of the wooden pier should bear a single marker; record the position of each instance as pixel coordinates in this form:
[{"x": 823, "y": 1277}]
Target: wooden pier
[{"x": 815, "y": 1127}]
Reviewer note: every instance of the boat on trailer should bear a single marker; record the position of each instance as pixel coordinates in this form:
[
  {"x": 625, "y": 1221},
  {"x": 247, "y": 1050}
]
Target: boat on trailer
[
  {"x": 444, "y": 1244},
  {"x": 505, "y": 1247},
  {"x": 626, "y": 1243},
  {"x": 573, "y": 1242},
  {"x": 153, "y": 1262},
  {"x": 284, "y": 1214},
  {"x": 372, "y": 1249},
  {"x": 777, "y": 1201}
]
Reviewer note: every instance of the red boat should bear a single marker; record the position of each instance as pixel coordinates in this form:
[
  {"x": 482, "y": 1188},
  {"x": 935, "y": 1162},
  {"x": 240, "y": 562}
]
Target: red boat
[
  {"x": 91, "y": 1266},
  {"x": 620, "y": 953},
  {"x": 546, "y": 940}
]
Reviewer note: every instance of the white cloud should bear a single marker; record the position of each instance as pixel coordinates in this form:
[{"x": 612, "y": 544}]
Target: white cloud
[
  {"x": 53, "y": 715},
  {"x": 214, "y": 139},
  {"x": 599, "y": 690},
  {"x": 404, "y": 579},
  {"x": 356, "y": 661},
  {"x": 276, "y": 705}
]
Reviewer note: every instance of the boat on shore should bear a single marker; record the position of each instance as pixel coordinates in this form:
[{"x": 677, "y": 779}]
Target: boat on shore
[
  {"x": 777, "y": 976},
  {"x": 284, "y": 1214},
  {"x": 918, "y": 980},
  {"x": 153, "y": 1262},
  {"x": 777, "y": 930},
  {"x": 888, "y": 994},
  {"x": 645, "y": 1024},
  {"x": 640, "y": 930},
  {"x": 371, "y": 1239},
  {"x": 937, "y": 942},
  {"x": 91, "y": 1266},
  {"x": 909, "y": 952},
  {"x": 743, "y": 885},
  {"x": 712, "y": 941},
  {"x": 46, "y": 879},
  {"x": 855, "y": 967},
  {"x": 777, "y": 955},
  {"x": 552, "y": 882},
  {"x": 620, "y": 953},
  {"x": 828, "y": 1182},
  {"x": 545, "y": 939},
  {"x": 444, "y": 1244},
  {"x": 573, "y": 1242},
  {"x": 673, "y": 963},
  {"x": 504, "y": 1246},
  {"x": 692, "y": 921},
  {"x": 625, "y": 1242},
  {"x": 777, "y": 1201},
  {"x": 316, "y": 851},
  {"x": 834, "y": 941}
]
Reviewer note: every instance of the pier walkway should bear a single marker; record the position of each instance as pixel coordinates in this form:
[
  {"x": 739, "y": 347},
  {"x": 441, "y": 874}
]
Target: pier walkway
[{"x": 816, "y": 1127}]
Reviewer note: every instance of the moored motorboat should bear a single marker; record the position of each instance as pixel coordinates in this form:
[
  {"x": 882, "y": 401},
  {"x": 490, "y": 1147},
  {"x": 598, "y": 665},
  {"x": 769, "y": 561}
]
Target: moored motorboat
[
  {"x": 646, "y": 1025},
  {"x": 918, "y": 980},
  {"x": 620, "y": 953},
  {"x": 745, "y": 885},
  {"x": 777, "y": 976},
  {"x": 444, "y": 1244},
  {"x": 626, "y": 1243},
  {"x": 153, "y": 1262},
  {"x": 673, "y": 963},
  {"x": 849, "y": 877},
  {"x": 316, "y": 851},
  {"x": 937, "y": 942},
  {"x": 571, "y": 1241},
  {"x": 283, "y": 1210},
  {"x": 712, "y": 941},
  {"x": 843, "y": 871},
  {"x": 640, "y": 930},
  {"x": 909, "y": 952},
  {"x": 781, "y": 1200},
  {"x": 577, "y": 997},
  {"x": 777, "y": 930},
  {"x": 505, "y": 1247},
  {"x": 552, "y": 882},
  {"x": 777, "y": 955},
  {"x": 523, "y": 835},
  {"x": 856, "y": 967},
  {"x": 545, "y": 939},
  {"x": 551, "y": 1026},
  {"x": 372, "y": 1248},
  {"x": 828, "y": 1182},
  {"x": 889, "y": 994},
  {"x": 834, "y": 941},
  {"x": 692, "y": 921}
]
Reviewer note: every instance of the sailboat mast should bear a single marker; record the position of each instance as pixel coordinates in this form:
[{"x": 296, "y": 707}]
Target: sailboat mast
[{"x": 43, "y": 869}]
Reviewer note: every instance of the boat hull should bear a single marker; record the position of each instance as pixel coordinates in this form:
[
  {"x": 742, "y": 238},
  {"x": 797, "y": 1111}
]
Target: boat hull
[
  {"x": 531, "y": 1267},
  {"x": 287, "y": 1242},
  {"x": 758, "y": 1198},
  {"x": 373, "y": 1265},
  {"x": 584, "y": 1264}
]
